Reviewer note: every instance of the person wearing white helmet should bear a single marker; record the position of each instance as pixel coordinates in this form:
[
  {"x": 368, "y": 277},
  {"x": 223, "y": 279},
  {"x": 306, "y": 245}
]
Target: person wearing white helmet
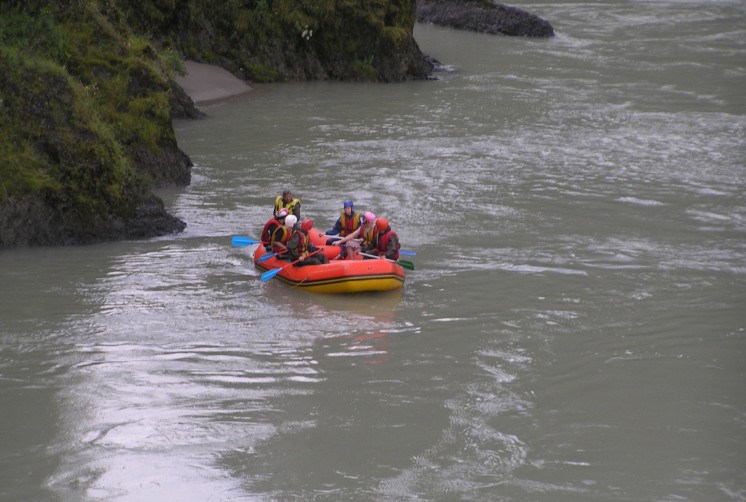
[
  {"x": 290, "y": 221},
  {"x": 300, "y": 247},
  {"x": 282, "y": 234}
]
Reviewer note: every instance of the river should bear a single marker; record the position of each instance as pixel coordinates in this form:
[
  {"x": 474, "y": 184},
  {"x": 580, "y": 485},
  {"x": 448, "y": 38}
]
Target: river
[{"x": 575, "y": 328}]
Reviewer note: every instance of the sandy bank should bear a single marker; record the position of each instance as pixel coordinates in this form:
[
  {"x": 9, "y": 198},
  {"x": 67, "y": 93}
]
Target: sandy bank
[{"x": 204, "y": 83}]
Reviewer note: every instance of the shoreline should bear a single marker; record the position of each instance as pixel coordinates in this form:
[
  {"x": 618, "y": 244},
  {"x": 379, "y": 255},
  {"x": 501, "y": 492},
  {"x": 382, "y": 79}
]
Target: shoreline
[{"x": 205, "y": 83}]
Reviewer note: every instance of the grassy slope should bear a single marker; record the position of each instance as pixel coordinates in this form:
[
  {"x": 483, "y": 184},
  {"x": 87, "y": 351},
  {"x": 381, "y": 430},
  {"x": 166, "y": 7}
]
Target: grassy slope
[{"x": 85, "y": 126}]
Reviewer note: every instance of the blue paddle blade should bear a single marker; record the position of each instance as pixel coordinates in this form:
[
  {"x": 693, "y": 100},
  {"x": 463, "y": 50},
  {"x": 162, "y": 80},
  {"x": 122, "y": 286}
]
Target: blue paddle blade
[
  {"x": 238, "y": 240},
  {"x": 407, "y": 253},
  {"x": 266, "y": 257},
  {"x": 270, "y": 274}
]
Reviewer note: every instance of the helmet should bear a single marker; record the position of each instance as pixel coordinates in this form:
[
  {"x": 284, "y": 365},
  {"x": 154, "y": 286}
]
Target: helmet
[
  {"x": 369, "y": 217},
  {"x": 291, "y": 220},
  {"x": 348, "y": 203},
  {"x": 306, "y": 225},
  {"x": 381, "y": 224},
  {"x": 281, "y": 213}
]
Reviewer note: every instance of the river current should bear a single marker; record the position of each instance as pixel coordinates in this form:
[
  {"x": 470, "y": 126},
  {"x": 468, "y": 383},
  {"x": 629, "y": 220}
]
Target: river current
[{"x": 575, "y": 328}]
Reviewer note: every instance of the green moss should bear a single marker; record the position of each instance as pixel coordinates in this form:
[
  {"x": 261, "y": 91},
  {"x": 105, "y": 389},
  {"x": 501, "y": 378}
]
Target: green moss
[
  {"x": 84, "y": 85},
  {"x": 364, "y": 70},
  {"x": 79, "y": 90},
  {"x": 395, "y": 36}
]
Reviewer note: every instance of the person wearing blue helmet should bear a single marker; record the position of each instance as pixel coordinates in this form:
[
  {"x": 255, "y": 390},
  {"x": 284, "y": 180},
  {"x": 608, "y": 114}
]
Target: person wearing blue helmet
[{"x": 349, "y": 220}]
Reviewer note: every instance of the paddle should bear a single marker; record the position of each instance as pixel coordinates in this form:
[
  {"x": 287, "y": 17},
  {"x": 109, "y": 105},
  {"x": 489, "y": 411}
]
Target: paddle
[
  {"x": 271, "y": 273},
  {"x": 404, "y": 263},
  {"x": 401, "y": 251},
  {"x": 238, "y": 240},
  {"x": 266, "y": 257}
]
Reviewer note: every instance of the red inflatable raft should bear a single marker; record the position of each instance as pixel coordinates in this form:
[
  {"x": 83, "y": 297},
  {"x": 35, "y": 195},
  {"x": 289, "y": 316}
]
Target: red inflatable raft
[{"x": 338, "y": 276}]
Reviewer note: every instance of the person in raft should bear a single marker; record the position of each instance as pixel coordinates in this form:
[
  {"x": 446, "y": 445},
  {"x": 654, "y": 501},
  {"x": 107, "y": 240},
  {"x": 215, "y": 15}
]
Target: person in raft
[
  {"x": 364, "y": 233},
  {"x": 385, "y": 241},
  {"x": 280, "y": 236},
  {"x": 287, "y": 201},
  {"x": 299, "y": 246},
  {"x": 348, "y": 222},
  {"x": 275, "y": 222}
]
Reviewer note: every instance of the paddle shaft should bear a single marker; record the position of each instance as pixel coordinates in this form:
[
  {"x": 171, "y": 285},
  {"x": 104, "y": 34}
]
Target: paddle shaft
[
  {"x": 271, "y": 273},
  {"x": 401, "y": 251},
  {"x": 266, "y": 257},
  {"x": 402, "y": 263}
]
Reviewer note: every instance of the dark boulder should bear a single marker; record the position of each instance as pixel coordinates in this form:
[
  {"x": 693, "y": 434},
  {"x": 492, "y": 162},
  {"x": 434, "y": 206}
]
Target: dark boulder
[{"x": 483, "y": 16}]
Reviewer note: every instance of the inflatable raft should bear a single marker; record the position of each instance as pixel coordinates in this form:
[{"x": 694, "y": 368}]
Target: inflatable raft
[{"x": 338, "y": 276}]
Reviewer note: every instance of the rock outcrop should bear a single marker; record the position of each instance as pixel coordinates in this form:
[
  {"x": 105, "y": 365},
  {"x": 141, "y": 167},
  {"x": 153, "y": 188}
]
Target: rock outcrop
[
  {"x": 483, "y": 16},
  {"x": 88, "y": 92}
]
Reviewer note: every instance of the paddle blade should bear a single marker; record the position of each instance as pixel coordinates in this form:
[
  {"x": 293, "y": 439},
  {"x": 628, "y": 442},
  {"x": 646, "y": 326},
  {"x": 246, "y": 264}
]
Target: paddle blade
[
  {"x": 406, "y": 264},
  {"x": 239, "y": 240},
  {"x": 270, "y": 274},
  {"x": 406, "y": 253},
  {"x": 266, "y": 257}
]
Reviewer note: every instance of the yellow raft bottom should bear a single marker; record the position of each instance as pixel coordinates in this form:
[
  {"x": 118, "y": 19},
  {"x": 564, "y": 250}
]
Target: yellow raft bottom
[{"x": 358, "y": 284}]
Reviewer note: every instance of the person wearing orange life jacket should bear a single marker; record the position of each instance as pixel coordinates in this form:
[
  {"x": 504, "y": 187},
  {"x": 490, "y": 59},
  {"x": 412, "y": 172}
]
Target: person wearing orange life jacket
[
  {"x": 280, "y": 236},
  {"x": 348, "y": 222},
  {"x": 287, "y": 201},
  {"x": 385, "y": 241},
  {"x": 273, "y": 224},
  {"x": 364, "y": 233},
  {"x": 299, "y": 246}
]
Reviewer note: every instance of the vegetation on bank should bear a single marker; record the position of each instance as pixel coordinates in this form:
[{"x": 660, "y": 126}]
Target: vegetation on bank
[
  {"x": 274, "y": 40},
  {"x": 87, "y": 92},
  {"x": 81, "y": 97}
]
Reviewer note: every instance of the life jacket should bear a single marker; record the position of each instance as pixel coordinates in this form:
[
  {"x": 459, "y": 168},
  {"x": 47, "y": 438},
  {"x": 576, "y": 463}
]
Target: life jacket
[
  {"x": 280, "y": 235},
  {"x": 303, "y": 242},
  {"x": 290, "y": 206},
  {"x": 350, "y": 224},
  {"x": 269, "y": 229},
  {"x": 367, "y": 236},
  {"x": 382, "y": 241}
]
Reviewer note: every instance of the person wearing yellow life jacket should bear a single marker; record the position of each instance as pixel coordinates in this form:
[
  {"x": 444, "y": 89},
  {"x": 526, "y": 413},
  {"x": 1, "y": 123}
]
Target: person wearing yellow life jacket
[
  {"x": 273, "y": 224},
  {"x": 280, "y": 236},
  {"x": 299, "y": 246},
  {"x": 287, "y": 201},
  {"x": 385, "y": 241}
]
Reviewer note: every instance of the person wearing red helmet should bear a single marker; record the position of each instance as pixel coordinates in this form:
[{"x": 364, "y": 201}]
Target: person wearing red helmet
[
  {"x": 385, "y": 241},
  {"x": 299, "y": 246},
  {"x": 273, "y": 224}
]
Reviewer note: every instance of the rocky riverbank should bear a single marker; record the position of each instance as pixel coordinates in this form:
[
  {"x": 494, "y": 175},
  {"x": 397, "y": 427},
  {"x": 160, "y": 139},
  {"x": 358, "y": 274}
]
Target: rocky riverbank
[{"x": 88, "y": 91}]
